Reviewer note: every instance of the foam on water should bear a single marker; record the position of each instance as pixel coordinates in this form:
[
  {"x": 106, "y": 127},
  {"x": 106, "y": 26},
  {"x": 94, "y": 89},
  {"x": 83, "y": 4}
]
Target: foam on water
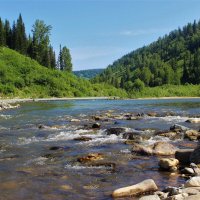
[
  {"x": 5, "y": 116},
  {"x": 81, "y": 167}
]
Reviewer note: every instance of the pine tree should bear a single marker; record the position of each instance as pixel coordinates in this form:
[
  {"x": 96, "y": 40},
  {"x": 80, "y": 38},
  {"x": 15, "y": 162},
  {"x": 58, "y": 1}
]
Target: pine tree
[
  {"x": 8, "y": 34},
  {"x": 2, "y": 35},
  {"x": 21, "y": 39}
]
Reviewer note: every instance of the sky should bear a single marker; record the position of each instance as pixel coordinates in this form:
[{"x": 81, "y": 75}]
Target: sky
[{"x": 98, "y": 32}]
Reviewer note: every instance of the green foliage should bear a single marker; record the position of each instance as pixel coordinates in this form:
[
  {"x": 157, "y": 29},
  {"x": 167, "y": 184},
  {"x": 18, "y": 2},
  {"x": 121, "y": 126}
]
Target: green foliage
[
  {"x": 173, "y": 59},
  {"x": 20, "y": 76}
]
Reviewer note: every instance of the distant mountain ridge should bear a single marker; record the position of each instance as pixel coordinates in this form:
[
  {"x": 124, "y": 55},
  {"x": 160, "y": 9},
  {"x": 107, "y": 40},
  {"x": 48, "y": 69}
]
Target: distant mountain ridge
[
  {"x": 88, "y": 73},
  {"x": 173, "y": 59}
]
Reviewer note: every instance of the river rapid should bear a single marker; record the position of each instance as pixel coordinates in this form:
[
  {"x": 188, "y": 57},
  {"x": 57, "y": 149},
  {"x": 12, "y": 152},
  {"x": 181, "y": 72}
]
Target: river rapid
[{"x": 39, "y": 149}]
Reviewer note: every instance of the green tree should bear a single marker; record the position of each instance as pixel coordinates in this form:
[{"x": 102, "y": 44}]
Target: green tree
[
  {"x": 2, "y": 35},
  {"x": 65, "y": 61},
  {"x": 41, "y": 41}
]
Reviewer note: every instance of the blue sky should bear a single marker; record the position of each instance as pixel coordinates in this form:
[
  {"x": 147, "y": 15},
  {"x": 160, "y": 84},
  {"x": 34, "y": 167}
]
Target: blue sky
[{"x": 97, "y": 32}]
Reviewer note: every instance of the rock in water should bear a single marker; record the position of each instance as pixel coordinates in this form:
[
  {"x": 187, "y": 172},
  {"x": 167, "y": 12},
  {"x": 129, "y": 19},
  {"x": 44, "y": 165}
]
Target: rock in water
[
  {"x": 192, "y": 135},
  {"x": 193, "y": 182},
  {"x": 150, "y": 197},
  {"x": 91, "y": 157},
  {"x": 115, "y": 130},
  {"x": 158, "y": 148},
  {"x": 193, "y": 120},
  {"x": 168, "y": 164},
  {"x": 195, "y": 156},
  {"x": 133, "y": 190},
  {"x": 183, "y": 155}
]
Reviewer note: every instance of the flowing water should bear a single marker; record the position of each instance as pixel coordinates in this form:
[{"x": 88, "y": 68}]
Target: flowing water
[{"x": 30, "y": 169}]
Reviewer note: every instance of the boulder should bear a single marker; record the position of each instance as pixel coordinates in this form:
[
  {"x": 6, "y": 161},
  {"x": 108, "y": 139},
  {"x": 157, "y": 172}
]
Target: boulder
[
  {"x": 150, "y": 197},
  {"x": 190, "y": 191},
  {"x": 133, "y": 190},
  {"x": 158, "y": 148},
  {"x": 193, "y": 182},
  {"x": 169, "y": 164},
  {"x": 115, "y": 130},
  {"x": 183, "y": 155},
  {"x": 193, "y": 197},
  {"x": 90, "y": 157},
  {"x": 75, "y": 120},
  {"x": 192, "y": 135},
  {"x": 193, "y": 120},
  {"x": 135, "y": 136},
  {"x": 195, "y": 156}
]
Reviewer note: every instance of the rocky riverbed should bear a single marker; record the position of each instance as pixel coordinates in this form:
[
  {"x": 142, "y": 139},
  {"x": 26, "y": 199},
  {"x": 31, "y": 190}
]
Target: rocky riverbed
[{"x": 100, "y": 150}]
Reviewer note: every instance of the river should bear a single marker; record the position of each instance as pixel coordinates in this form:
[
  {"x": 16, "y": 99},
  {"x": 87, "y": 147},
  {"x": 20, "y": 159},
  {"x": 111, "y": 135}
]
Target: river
[{"x": 38, "y": 153}]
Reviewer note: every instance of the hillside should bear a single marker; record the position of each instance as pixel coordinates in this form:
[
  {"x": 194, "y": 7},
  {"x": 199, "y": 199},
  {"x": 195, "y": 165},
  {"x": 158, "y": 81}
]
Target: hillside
[
  {"x": 21, "y": 76},
  {"x": 173, "y": 59},
  {"x": 88, "y": 73}
]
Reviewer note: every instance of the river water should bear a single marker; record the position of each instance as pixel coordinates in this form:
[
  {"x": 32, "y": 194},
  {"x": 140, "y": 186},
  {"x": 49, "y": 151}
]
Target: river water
[{"x": 30, "y": 169}]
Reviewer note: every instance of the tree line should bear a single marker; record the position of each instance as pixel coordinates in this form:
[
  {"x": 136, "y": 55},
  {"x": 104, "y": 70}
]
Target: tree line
[
  {"x": 172, "y": 59},
  {"x": 37, "y": 46}
]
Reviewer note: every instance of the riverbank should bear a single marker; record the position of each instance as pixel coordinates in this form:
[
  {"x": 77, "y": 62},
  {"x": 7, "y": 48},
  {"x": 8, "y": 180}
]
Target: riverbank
[{"x": 16, "y": 100}]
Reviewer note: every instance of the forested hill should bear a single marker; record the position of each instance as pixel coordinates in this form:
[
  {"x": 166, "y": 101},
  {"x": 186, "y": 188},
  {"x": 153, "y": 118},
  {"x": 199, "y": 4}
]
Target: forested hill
[
  {"x": 172, "y": 59},
  {"x": 88, "y": 73},
  {"x": 21, "y": 76}
]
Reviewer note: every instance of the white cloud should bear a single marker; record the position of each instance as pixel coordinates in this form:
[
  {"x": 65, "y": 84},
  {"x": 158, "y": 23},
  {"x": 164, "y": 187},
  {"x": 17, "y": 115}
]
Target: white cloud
[{"x": 143, "y": 32}]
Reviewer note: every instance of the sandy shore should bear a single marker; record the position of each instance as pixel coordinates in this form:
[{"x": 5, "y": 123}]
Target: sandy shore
[{"x": 16, "y": 100}]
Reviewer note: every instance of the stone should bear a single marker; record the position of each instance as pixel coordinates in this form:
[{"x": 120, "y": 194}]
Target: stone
[
  {"x": 177, "y": 127},
  {"x": 187, "y": 170},
  {"x": 152, "y": 114},
  {"x": 170, "y": 134},
  {"x": 54, "y": 148},
  {"x": 193, "y": 197},
  {"x": 75, "y": 120},
  {"x": 158, "y": 148},
  {"x": 150, "y": 197},
  {"x": 183, "y": 155},
  {"x": 195, "y": 156},
  {"x": 192, "y": 135},
  {"x": 147, "y": 185},
  {"x": 193, "y": 120},
  {"x": 190, "y": 191},
  {"x": 168, "y": 164},
  {"x": 91, "y": 157},
  {"x": 96, "y": 125},
  {"x": 115, "y": 130},
  {"x": 193, "y": 182},
  {"x": 83, "y": 138},
  {"x": 177, "y": 197}
]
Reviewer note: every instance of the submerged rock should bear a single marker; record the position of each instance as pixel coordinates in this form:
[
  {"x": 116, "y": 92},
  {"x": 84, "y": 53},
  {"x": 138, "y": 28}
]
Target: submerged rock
[
  {"x": 54, "y": 148},
  {"x": 158, "y": 148},
  {"x": 83, "y": 138},
  {"x": 133, "y": 190},
  {"x": 90, "y": 157},
  {"x": 6, "y": 106},
  {"x": 115, "y": 130}
]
